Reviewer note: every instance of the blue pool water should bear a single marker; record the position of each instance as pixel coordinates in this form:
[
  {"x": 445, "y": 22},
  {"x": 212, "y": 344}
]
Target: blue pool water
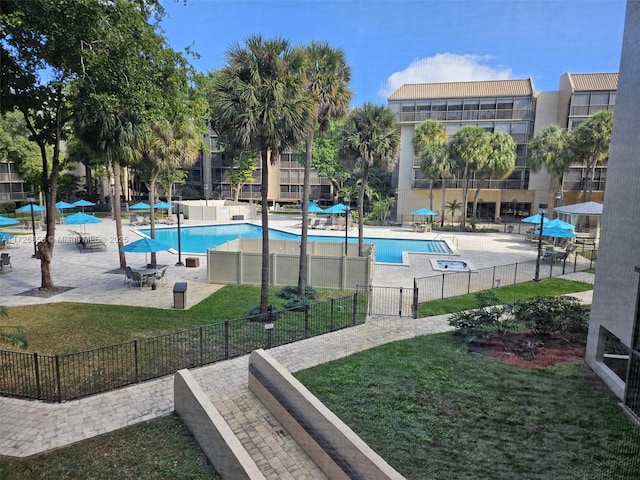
[{"x": 199, "y": 239}]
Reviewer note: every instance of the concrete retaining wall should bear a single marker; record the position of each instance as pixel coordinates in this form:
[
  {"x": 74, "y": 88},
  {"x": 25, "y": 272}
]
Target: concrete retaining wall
[
  {"x": 331, "y": 444},
  {"x": 213, "y": 434}
]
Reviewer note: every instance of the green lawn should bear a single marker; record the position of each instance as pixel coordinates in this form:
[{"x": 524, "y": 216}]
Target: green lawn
[
  {"x": 435, "y": 411},
  {"x": 158, "y": 449}
]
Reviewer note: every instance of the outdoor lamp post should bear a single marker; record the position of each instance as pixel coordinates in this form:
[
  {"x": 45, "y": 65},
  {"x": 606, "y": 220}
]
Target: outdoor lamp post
[
  {"x": 179, "y": 264},
  {"x": 33, "y": 228},
  {"x": 543, "y": 208},
  {"x": 346, "y": 227}
]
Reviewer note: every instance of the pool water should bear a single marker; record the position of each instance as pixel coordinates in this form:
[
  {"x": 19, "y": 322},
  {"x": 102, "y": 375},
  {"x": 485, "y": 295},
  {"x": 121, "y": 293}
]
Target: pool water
[
  {"x": 199, "y": 239},
  {"x": 452, "y": 265}
]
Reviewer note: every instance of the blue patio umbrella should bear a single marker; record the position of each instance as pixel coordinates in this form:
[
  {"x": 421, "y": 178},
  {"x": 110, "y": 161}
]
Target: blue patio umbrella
[
  {"x": 314, "y": 208},
  {"x": 6, "y": 221},
  {"x": 555, "y": 232},
  {"x": 145, "y": 245},
  {"x": 140, "y": 206},
  {"x": 5, "y": 236},
  {"x": 423, "y": 211},
  {"x": 534, "y": 219},
  {"x": 83, "y": 203},
  {"x": 61, "y": 205},
  {"x": 81, "y": 218},
  {"x": 162, "y": 206},
  {"x": 337, "y": 209},
  {"x": 556, "y": 222},
  {"x": 27, "y": 208}
]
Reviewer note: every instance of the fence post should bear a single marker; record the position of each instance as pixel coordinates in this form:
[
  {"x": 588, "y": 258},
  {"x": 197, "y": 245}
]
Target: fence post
[
  {"x": 515, "y": 274},
  {"x": 306, "y": 322},
  {"x": 442, "y": 288},
  {"x": 135, "y": 359},
  {"x": 226, "y": 339},
  {"x": 400, "y": 303},
  {"x": 469, "y": 282},
  {"x": 414, "y": 304},
  {"x": 331, "y": 320},
  {"x": 355, "y": 308},
  {"x": 493, "y": 277},
  {"x": 58, "y": 380},
  {"x": 201, "y": 346},
  {"x": 36, "y": 367}
]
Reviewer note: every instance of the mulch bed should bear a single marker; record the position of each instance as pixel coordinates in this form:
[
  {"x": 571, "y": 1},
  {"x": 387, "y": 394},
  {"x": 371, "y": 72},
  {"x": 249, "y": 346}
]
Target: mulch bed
[
  {"x": 37, "y": 292},
  {"x": 532, "y": 351}
]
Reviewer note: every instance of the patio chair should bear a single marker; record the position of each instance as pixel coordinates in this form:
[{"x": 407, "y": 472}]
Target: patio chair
[
  {"x": 127, "y": 275},
  {"x": 563, "y": 255},
  {"x": 139, "y": 278},
  {"x": 161, "y": 276},
  {"x": 5, "y": 260}
]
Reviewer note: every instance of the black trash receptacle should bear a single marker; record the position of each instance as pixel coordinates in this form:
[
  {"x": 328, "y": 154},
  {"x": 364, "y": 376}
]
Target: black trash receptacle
[{"x": 180, "y": 295}]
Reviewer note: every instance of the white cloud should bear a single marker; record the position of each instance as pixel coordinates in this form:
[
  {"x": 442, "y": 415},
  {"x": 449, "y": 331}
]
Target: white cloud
[{"x": 445, "y": 67}]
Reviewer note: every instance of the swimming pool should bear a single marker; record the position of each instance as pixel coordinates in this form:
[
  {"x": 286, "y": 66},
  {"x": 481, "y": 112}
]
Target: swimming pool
[
  {"x": 199, "y": 239},
  {"x": 452, "y": 265}
]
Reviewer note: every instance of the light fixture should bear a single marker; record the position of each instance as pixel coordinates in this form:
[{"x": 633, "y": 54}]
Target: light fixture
[{"x": 542, "y": 211}]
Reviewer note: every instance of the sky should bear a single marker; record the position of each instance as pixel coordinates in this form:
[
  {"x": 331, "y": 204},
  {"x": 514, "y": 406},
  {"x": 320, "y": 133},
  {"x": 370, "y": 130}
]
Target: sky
[{"x": 388, "y": 43}]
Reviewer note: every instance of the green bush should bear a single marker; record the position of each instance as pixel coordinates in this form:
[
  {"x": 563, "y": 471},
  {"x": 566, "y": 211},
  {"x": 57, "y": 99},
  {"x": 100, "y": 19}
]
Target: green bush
[
  {"x": 298, "y": 304},
  {"x": 7, "y": 207},
  {"x": 552, "y": 315},
  {"x": 274, "y": 312},
  {"x": 290, "y": 292},
  {"x": 484, "y": 323}
]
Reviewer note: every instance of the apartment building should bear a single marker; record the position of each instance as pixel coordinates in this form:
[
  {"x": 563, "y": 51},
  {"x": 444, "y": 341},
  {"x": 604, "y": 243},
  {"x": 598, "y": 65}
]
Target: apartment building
[
  {"x": 509, "y": 106},
  {"x": 12, "y": 188}
]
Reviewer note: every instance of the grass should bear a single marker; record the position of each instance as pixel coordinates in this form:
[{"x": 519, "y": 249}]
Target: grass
[
  {"x": 506, "y": 294},
  {"x": 434, "y": 411},
  {"x": 71, "y": 327},
  {"x": 157, "y": 449}
]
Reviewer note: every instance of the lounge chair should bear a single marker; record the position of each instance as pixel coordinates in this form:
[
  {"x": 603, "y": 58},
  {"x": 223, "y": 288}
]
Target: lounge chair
[
  {"x": 315, "y": 224},
  {"x": 90, "y": 243},
  {"x": 5, "y": 261},
  {"x": 563, "y": 255}
]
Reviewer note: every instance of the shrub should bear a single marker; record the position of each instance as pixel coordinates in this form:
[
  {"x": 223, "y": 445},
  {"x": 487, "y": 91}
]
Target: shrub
[
  {"x": 552, "y": 315},
  {"x": 290, "y": 292},
  {"x": 485, "y": 322},
  {"x": 298, "y": 304},
  {"x": 7, "y": 207},
  {"x": 273, "y": 313}
]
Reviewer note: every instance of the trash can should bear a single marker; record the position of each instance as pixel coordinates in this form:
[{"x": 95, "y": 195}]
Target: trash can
[{"x": 180, "y": 295}]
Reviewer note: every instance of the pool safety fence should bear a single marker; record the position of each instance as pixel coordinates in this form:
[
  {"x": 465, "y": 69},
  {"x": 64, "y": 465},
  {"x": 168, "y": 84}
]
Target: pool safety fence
[
  {"x": 61, "y": 377},
  {"x": 404, "y": 301}
]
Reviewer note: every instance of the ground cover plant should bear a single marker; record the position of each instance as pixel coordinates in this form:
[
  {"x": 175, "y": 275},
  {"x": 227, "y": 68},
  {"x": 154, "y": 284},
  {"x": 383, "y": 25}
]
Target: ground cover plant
[
  {"x": 434, "y": 410},
  {"x": 157, "y": 449}
]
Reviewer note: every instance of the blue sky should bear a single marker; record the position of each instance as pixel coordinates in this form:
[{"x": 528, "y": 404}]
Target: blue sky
[{"x": 388, "y": 43}]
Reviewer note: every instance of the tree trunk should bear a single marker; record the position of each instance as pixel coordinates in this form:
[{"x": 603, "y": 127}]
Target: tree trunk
[
  {"x": 465, "y": 191},
  {"x": 443, "y": 202},
  {"x": 475, "y": 202},
  {"x": 431, "y": 195},
  {"x": 117, "y": 209},
  {"x": 363, "y": 187},
  {"x": 303, "y": 267},
  {"x": 264, "y": 280}
]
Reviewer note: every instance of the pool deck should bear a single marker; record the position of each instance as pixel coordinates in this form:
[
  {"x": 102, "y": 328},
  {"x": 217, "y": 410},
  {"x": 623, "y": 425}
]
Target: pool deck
[{"x": 91, "y": 277}]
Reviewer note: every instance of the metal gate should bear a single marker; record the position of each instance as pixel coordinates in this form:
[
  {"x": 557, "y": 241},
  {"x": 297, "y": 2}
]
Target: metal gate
[{"x": 395, "y": 301}]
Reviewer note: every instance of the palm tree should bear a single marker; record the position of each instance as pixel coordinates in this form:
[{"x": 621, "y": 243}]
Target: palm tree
[
  {"x": 111, "y": 137},
  {"x": 549, "y": 150},
  {"x": 469, "y": 149},
  {"x": 372, "y": 138},
  {"x": 427, "y": 133},
  {"x": 500, "y": 163},
  {"x": 589, "y": 143},
  {"x": 259, "y": 99},
  {"x": 165, "y": 145},
  {"x": 436, "y": 163},
  {"x": 453, "y": 206},
  {"x": 328, "y": 77}
]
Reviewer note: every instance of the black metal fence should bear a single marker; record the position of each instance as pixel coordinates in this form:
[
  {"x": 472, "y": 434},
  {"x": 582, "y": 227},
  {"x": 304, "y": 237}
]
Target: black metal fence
[
  {"x": 404, "y": 301},
  {"x": 69, "y": 376}
]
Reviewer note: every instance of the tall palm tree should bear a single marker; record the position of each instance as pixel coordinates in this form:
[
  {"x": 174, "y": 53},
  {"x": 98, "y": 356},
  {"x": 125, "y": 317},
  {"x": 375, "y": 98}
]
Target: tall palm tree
[
  {"x": 589, "y": 143},
  {"x": 500, "y": 162},
  {"x": 372, "y": 138},
  {"x": 436, "y": 163},
  {"x": 426, "y": 134},
  {"x": 260, "y": 99},
  {"x": 453, "y": 206},
  {"x": 165, "y": 145},
  {"x": 327, "y": 84},
  {"x": 548, "y": 149},
  {"x": 111, "y": 137},
  {"x": 469, "y": 149}
]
